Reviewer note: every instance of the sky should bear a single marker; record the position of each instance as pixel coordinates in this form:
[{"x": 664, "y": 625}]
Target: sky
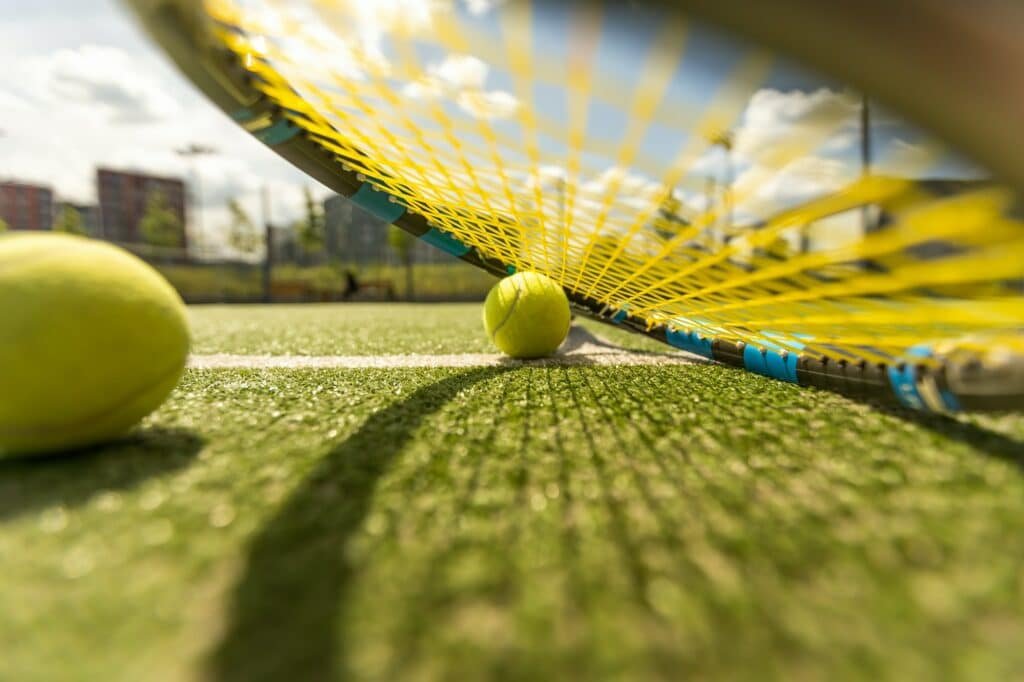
[{"x": 83, "y": 86}]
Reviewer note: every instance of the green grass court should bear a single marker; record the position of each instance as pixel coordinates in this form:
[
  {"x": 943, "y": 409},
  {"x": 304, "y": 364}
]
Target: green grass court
[{"x": 512, "y": 522}]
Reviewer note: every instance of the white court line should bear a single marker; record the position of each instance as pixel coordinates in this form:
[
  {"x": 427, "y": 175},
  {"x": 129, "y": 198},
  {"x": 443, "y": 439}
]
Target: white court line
[
  {"x": 225, "y": 361},
  {"x": 582, "y": 348}
]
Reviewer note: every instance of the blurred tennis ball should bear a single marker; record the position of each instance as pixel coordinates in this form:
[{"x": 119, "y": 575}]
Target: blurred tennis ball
[
  {"x": 92, "y": 339},
  {"x": 527, "y": 315}
]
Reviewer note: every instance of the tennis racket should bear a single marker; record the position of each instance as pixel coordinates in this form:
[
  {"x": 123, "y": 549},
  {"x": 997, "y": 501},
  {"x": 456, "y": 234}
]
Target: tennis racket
[{"x": 678, "y": 168}]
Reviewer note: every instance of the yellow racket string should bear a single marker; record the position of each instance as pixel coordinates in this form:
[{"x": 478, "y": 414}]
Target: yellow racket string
[{"x": 522, "y": 140}]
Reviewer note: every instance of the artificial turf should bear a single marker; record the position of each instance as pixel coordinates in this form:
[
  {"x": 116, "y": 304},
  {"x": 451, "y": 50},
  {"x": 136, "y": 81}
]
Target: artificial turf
[
  {"x": 331, "y": 329},
  {"x": 512, "y": 523},
  {"x": 358, "y": 329}
]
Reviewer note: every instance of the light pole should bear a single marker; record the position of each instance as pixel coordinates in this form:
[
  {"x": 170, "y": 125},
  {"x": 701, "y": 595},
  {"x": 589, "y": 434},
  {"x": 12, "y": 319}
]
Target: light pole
[
  {"x": 865, "y": 135},
  {"x": 268, "y": 241},
  {"x": 191, "y": 152},
  {"x": 724, "y": 140},
  {"x": 865, "y": 158}
]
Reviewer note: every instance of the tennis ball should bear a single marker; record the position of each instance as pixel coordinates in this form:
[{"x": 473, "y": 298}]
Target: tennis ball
[
  {"x": 527, "y": 315},
  {"x": 92, "y": 339}
]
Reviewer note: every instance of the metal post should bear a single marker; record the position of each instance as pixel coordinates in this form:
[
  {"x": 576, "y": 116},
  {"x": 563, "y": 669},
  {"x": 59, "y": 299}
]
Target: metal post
[
  {"x": 268, "y": 240},
  {"x": 727, "y": 191},
  {"x": 197, "y": 207},
  {"x": 865, "y": 135},
  {"x": 865, "y": 158},
  {"x": 709, "y": 218},
  {"x": 191, "y": 152}
]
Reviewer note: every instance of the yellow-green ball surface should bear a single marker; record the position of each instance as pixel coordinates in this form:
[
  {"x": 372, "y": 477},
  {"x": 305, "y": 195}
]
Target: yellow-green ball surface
[
  {"x": 92, "y": 339},
  {"x": 527, "y": 315}
]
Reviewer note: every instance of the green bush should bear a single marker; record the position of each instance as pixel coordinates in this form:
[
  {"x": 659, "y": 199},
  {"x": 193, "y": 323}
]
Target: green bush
[{"x": 241, "y": 282}]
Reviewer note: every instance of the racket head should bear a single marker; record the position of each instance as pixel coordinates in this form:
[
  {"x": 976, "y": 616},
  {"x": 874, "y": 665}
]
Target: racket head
[{"x": 645, "y": 160}]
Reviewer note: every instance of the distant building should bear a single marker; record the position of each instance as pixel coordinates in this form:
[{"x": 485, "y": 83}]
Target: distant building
[
  {"x": 123, "y": 197},
  {"x": 26, "y": 207},
  {"x": 88, "y": 213}
]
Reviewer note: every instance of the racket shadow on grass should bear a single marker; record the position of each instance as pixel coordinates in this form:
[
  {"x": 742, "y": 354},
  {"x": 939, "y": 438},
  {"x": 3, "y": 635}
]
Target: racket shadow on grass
[
  {"x": 284, "y": 614},
  {"x": 582, "y": 347},
  {"x": 30, "y": 483},
  {"x": 981, "y": 438}
]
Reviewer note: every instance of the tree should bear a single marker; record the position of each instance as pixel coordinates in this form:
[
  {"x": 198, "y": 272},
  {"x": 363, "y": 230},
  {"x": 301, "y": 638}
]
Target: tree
[
  {"x": 3, "y": 226},
  {"x": 402, "y": 242},
  {"x": 160, "y": 226},
  {"x": 242, "y": 234},
  {"x": 69, "y": 221},
  {"x": 311, "y": 230}
]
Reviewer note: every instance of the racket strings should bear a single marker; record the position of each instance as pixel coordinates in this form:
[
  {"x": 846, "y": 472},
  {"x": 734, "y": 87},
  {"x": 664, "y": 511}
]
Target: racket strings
[{"x": 517, "y": 133}]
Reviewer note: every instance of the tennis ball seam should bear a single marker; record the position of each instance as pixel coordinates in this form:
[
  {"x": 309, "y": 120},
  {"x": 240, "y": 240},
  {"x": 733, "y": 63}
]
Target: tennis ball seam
[
  {"x": 508, "y": 315},
  {"x": 42, "y": 429}
]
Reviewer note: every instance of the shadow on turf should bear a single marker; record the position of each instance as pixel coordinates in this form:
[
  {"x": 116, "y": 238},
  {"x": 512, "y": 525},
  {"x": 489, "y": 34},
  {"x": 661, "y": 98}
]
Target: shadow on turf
[
  {"x": 71, "y": 478},
  {"x": 986, "y": 441},
  {"x": 284, "y": 616},
  {"x": 577, "y": 339},
  {"x": 581, "y": 336}
]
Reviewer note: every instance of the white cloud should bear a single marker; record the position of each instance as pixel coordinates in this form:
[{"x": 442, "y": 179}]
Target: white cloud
[
  {"x": 617, "y": 180},
  {"x": 383, "y": 16},
  {"x": 800, "y": 180},
  {"x": 780, "y": 149},
  {"x": 69, "y": 93},
  {"x": 789, "y": 147},
  {"x": 488, "y": 105},
  {"x": 11, "y": 101},
  {"x": 841, "y": 143},
  {"x": 81, "y": 87},
  {"x": 101, "y": 80},
  {"x": 610, "y": 202},
  {"x": 776, "y": 124},
  {"x": 461, "y": 71},
  {"x": 478, "y": 7},
  {"x": 464, "y": 78}
]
